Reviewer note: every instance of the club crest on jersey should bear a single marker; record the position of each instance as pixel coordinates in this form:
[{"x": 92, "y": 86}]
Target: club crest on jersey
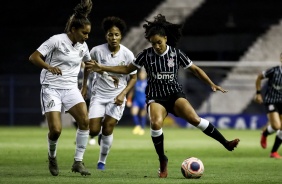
[
  {"x": 121, "y": 63},
  {"x": 172, "y": 54},
  {"x": 170, "y": 62}
]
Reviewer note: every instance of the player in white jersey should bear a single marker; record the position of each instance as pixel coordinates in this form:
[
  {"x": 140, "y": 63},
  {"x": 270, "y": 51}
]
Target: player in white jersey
[
  {"x": 63, "y": 56},
  {"x": 108, "y": 98}
]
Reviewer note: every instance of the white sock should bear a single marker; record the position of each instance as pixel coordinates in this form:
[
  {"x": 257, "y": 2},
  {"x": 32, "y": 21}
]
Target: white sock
[
  {"x": 52, "y": 147},
  {"x": 203, "y": 124},
  {"x": 156, "y": 133},
  {"x": 270, "y": 129},
  {"x": 279, "y": 134},
  {"x": 81, "y": 143},
  {"x": 105, "y": 146}
]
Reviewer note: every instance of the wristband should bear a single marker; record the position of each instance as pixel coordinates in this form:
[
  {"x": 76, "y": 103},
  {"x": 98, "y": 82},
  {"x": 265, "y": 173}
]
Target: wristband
[{"x": 258, "y": 92}]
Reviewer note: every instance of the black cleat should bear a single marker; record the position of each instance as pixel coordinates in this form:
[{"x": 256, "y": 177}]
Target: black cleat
[
  {"x": 78, "y": 166},
  {"x": 53, "y": 166},
  {"x": 230, "y": 145}
]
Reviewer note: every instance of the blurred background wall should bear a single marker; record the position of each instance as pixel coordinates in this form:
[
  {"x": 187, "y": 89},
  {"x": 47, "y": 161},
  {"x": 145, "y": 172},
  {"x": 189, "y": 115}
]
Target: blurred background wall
[{"x": 232, "y": 40}]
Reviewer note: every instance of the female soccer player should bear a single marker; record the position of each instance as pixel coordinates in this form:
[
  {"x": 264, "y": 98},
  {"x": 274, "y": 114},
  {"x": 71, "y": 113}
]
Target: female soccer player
[
  {"x": 108, "y": 97},
  {"x": 63, "y": 56},
  {"x": 164, "y": 93},
  {"x": 273, "y": 105}
]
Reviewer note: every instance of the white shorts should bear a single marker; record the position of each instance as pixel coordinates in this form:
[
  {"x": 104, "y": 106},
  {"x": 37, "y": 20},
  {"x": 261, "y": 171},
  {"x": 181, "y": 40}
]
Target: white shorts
[
  {"x": 99, "y": 107},
  {"x": 59, "y": 99}
]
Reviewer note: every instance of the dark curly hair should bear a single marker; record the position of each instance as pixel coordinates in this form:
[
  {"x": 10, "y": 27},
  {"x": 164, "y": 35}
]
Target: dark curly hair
[
  {"x": 80, "y": 17},
  {"x": 109, "y": 22},
  {"x": 163, "y": 28}
]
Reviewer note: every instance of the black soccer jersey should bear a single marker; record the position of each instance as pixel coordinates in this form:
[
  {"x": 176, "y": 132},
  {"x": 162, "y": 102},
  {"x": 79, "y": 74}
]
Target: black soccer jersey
[
  {"x": 162, "y": 71},
  {"x": 273, "y": 92}
]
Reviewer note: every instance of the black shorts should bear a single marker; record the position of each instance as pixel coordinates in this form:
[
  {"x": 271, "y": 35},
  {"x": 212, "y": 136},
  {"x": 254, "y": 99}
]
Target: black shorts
[
  {"x": 276, "y": 107},
  {"x": 167, "y": 103}
]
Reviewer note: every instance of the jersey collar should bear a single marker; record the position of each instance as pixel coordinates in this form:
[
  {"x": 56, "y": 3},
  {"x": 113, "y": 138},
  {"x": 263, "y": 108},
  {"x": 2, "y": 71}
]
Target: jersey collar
[
  {"x": 116, "y": 54},
  {"x": 167, "y": 48}
]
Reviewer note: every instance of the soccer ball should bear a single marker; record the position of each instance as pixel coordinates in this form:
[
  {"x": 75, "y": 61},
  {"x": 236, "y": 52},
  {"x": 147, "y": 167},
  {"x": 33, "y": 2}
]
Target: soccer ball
[{"x": 192, "y": 167}]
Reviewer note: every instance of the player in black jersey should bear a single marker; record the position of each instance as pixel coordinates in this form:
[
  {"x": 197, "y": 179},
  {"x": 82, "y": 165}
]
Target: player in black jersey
[
  {"x": 164, "y": 93},
  {"x": 273, "y": 105}
]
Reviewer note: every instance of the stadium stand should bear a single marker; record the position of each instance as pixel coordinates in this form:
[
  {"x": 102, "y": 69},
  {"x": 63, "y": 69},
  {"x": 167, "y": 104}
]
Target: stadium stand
[
  {"x": 263, "y": 44},
  {"x": 215, "y": 30},
  {"x": 27, "y": 25}
]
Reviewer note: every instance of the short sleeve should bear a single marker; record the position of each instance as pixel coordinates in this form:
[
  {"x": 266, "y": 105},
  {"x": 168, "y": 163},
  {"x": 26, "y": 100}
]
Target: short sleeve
[
  {"x": 48, "y": 46},
  {"x": 94, "y": 54},
  {"x": 268, "y": 73},
  {"x": 185, "y": 62},
  {"x": 86, "y": 56},
  {"x": 139, "y": 61}
]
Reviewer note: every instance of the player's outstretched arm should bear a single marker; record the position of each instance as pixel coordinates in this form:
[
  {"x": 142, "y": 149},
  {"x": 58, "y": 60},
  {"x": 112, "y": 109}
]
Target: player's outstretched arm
[
  {"x": 96, "y": 67},
  {"x": 204, "y": 77}
]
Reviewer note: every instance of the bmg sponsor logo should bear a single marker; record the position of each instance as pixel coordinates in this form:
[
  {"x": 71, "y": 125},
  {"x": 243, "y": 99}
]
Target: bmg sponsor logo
[{"x": 164, "y": 76}]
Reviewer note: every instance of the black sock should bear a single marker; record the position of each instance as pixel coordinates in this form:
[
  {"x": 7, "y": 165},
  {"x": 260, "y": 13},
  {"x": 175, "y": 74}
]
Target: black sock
[
  {"x": 75, "y": 125},
  {"x": 265, "y": 133},
  {"x": 276, "y": 144},
  {"x": 214, "y": 133},
  {"x": 159, "y": 145}
]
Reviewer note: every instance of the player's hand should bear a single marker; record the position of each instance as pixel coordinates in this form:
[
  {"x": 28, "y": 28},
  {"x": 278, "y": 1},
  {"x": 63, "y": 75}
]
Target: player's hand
[
  {"x": 93, "y": 66},
  {"x": 128, "y": 103},
  {"x": 119, "y": 99},
  {"x": 218, "y": 88},
  {"x": 258, "y": 99},
  {"x": 55, "y": 70}
]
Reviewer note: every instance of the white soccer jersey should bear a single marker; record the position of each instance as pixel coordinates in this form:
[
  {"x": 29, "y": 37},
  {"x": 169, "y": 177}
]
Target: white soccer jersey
[
  {"x": 60, "y": 53},
  {"x": 102, "y": 54}
]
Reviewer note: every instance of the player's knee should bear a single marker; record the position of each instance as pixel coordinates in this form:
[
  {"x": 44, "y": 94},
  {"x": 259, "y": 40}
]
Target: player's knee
[
  {"x": 94, "y": 132},
  {"x": 83, "y": 124},
  {"x": 194, "y": 120},
  {"x": 156, "y": 123},
  {"x": 54, "y": 134},
  {"x": 276, "y": 126},
  {"x": 107, "y": 131}
]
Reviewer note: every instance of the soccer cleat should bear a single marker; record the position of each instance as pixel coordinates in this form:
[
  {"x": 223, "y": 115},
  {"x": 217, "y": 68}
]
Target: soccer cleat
[
  {"x": 100, "y": 166},
  {"x": 136, "y": 129},
  {"x": 275, "y": 155},
  {"x": 230, "y": 145},
  {"x": 163, "y": 167},
  {"x": 263, "y": 141},
  {"x": 53, "y": 166},
  {"x": 78, "y": 166},
  {"x": 141, "y": 131},
  {"x": 92, "y": 141},
  {"x": 99, "y": 139}
]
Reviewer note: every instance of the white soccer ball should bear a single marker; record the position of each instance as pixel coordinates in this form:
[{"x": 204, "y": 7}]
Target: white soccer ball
[{"x": 192, "y": 167}]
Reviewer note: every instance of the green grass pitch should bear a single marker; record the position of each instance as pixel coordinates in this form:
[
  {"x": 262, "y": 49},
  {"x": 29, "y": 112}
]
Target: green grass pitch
[{"x": 132, "y": 159}]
